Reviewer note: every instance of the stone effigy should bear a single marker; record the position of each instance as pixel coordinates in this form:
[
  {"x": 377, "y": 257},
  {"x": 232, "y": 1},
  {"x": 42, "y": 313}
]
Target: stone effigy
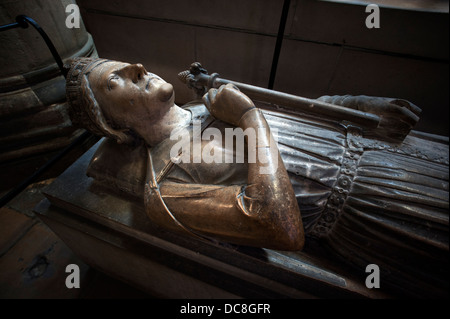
[{"x": 372, "y": 195}]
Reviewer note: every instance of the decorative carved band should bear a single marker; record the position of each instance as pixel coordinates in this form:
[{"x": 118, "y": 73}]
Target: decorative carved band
[{"x": 341, "y": 188}]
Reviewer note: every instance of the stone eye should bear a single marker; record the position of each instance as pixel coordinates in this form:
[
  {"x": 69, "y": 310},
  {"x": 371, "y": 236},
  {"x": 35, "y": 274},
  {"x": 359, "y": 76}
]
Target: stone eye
[{"x": 110, "y": 83}]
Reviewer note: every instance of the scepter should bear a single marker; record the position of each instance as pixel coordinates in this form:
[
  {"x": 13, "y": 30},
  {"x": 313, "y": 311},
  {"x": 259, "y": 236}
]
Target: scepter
[{"x": 198, "y": 79}]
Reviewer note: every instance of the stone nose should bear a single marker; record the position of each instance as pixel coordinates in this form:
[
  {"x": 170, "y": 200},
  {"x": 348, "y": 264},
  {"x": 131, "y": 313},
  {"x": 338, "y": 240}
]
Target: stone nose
[{"x": 135, "y": 72}]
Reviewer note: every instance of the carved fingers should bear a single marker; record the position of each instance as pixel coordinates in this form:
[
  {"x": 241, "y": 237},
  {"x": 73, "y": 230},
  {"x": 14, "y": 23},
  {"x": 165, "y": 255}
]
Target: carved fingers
[
  {"x": 228, "y": 103},
  {"x": 398, "y": 116}
]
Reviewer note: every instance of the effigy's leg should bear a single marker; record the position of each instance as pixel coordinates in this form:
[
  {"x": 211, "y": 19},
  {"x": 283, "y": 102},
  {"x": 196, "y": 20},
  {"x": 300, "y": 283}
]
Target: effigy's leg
[{"x": 389, "y": 207}]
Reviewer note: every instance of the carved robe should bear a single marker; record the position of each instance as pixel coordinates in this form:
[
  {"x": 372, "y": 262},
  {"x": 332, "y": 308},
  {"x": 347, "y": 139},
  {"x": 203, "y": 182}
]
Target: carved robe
[{"x": 369, "y": 201}]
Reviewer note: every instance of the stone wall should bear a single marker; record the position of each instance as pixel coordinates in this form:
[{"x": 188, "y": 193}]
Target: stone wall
[{"x": 327, "y": 48}]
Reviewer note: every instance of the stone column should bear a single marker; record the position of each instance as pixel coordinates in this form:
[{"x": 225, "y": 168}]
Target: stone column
[{"x": 33, "y": 111}]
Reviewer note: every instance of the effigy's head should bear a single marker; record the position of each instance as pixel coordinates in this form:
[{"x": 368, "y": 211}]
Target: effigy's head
[{"x": 115, "y": 99}]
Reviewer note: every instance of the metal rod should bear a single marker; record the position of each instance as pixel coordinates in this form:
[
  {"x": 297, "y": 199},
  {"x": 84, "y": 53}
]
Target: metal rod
[
  {"x": 22, "y": 20},
  {"x": 276, "y": 54},
  {"x": 298, "y": 103},
  {"x": 9, "y": 26}
]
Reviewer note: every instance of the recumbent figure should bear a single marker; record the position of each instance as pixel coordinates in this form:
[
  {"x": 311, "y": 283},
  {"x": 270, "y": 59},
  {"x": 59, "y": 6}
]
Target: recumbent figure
[{"x": 368, "y": 198}]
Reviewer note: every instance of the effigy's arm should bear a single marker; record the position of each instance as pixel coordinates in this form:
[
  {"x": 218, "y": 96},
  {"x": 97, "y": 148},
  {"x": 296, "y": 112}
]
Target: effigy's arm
[
  {"x": 263, "y": 212},
  {"x": 218, "y": 212},
  {"x": 397, "y": 116}
]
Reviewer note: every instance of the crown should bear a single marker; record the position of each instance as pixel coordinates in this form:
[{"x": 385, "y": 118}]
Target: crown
[
  {"x": 77, "y": 68},
  {"x": 84, "y": 110}
]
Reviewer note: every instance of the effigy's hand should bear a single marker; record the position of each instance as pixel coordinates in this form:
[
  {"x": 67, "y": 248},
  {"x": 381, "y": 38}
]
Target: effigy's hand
[
  {"x": 398, "y": 116},
  {"x": 228, "y": 103}
]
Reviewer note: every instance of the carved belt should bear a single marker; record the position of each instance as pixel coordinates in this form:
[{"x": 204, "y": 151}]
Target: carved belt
[{"x": 341, "y": 188}]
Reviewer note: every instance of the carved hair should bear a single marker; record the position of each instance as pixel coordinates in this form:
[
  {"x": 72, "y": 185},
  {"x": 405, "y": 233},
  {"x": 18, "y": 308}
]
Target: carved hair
[{"x": 84, "y": 108}]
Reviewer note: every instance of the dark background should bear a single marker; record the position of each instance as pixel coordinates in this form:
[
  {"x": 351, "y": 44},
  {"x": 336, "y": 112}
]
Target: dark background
[{"x": 327, "y": 48}]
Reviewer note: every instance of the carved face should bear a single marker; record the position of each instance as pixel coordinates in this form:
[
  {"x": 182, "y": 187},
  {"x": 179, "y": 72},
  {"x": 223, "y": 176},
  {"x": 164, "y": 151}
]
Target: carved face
[{"x": 129, "y": 96}]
